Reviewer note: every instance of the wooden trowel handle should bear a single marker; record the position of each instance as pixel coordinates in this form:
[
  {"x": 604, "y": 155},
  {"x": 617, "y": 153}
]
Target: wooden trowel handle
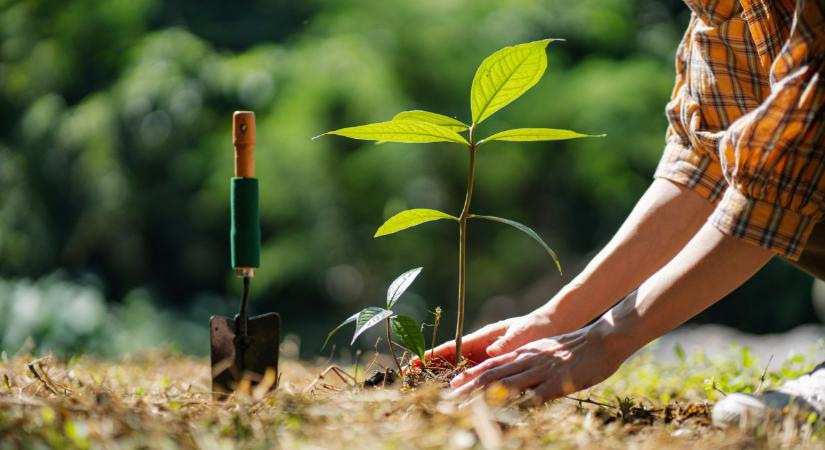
[{"x": 243, "y": 138}]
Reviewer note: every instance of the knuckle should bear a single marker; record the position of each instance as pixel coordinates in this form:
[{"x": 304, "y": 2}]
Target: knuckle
[
  {"x": 507, "y": 383},
  {"x": 485, "y": 378}
]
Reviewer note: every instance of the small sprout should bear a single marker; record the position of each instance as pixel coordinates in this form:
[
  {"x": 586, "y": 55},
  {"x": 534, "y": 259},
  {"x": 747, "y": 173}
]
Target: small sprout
[{"x": 405, "y": 328}]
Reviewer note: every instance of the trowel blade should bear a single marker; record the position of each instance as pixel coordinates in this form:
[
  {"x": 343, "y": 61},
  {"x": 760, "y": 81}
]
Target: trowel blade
[{"x": 260, "y": 354}]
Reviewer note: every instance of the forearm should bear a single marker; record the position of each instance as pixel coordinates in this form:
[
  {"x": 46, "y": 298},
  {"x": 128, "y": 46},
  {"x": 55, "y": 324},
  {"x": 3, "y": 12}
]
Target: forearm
[
  {"x": 661, "y": 223},
  {"x": 710, "y": 267}
]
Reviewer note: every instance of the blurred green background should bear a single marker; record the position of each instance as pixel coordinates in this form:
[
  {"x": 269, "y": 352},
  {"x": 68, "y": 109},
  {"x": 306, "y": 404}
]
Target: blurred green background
[{"x": 115, "y": 159}]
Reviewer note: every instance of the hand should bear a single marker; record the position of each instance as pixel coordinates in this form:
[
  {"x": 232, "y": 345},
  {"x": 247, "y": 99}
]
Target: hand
[
  {"x": 496, "y": 338},
  {"x": 551, "y": 367}
]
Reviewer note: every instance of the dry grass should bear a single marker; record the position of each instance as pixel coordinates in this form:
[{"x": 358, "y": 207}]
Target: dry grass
[{"x": 161, "y": 400}]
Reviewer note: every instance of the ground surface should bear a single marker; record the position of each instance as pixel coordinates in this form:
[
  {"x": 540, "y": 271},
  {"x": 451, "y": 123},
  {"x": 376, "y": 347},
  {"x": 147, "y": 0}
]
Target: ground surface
[{"x": 160, "y": 400}]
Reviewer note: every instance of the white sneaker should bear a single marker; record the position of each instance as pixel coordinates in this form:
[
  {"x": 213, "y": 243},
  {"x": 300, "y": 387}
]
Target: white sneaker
[{"x": 807, "y": 393}]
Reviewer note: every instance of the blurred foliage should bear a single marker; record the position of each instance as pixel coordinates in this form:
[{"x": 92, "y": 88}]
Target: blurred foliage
[
  {"x": 63, "y": 316},
  {"x": 115, "y": 153}
]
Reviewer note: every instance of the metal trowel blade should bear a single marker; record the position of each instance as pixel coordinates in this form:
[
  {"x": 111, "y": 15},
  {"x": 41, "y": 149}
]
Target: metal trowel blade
[{"x": 259, "y": 354}]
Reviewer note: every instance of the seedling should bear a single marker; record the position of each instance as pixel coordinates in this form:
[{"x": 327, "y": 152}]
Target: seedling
[
  {"x": 406, "y": 329},
  {"x": 500, "y": 79}
]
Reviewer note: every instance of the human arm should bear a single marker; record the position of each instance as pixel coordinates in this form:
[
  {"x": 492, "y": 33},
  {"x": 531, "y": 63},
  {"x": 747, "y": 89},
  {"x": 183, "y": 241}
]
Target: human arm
[
  {"x": 708, "y": 268},
  {"x": 663, "y": 220}
]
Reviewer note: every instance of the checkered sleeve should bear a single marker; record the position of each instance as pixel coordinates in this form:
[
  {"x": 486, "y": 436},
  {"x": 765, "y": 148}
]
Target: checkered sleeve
[
  {"x": 682, "y": 162},
  {"x": 774, "y": 156}
]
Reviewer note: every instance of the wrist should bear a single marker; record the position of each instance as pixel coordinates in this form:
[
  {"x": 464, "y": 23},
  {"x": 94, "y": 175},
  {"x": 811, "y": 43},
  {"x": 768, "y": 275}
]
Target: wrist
[
  {"x": 618, "y": 344},
  {"x": 620, "y": 329},
  {"x": 566, "y": 310}
]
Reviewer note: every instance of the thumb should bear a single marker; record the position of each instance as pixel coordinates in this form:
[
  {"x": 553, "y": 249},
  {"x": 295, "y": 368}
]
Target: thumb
[{"x": 505, "y": 343}]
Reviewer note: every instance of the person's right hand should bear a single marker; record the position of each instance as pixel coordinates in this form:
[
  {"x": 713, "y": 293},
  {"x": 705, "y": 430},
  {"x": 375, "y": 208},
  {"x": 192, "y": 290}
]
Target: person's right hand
[{"x": 496, "y": 339}]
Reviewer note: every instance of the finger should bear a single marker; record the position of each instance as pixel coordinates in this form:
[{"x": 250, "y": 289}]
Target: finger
[
  {"x": 522, "y": 381},
  {"x": 493, "y": 375},
  {"x": 513, "y": 339},
  {"x": 545, "y": 392},
  {"x": 473, "y": 345},
  {"x": 445, "y": 350},
  {"x": 554, "y": 388},
  {"x": 475, "y": 371}
]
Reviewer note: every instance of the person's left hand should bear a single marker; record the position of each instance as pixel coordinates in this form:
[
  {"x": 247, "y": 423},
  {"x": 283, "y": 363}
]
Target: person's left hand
[{"x": 551, "y": 368}]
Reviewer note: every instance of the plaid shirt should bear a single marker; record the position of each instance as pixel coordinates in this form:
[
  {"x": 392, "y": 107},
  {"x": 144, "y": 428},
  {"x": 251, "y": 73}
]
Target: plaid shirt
[{"x": 747, "y": 122}]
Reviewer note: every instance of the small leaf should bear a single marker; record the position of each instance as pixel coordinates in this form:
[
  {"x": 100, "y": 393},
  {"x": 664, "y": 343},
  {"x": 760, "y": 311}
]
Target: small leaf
[
  {"x": 537, "y": 134},
  {"x": 434, "y": 118},
  {"x": 400, "y": 285},
  {"x": 368, "y": 318},
  {"x": 401, "y": 131},
  {"x": 505, "y": 75},
  {"x": 349, "y": 320},
  {"x": 409, "y": 335},
  {"x": 680, "y": 352},
  {"x": 410, "y": 218},
  {"x": 526, "y": 230}
]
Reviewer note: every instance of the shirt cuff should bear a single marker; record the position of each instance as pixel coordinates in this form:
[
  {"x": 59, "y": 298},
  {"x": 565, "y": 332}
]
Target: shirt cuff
[
  {"x": 697, "y": 171},
  {"x": 782, "y": 231}
]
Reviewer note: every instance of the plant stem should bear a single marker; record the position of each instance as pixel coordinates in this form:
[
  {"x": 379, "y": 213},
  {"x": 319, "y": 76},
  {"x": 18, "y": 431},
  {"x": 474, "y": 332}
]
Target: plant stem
[
  {"x": 436, "y": 321},
  {"x": 392, "y": 350},
  {"x": 462, "y": 248}
]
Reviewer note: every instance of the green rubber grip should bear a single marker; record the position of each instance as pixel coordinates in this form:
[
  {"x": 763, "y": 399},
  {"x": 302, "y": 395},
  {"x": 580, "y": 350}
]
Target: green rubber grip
[{"x": 245, "y": 233}]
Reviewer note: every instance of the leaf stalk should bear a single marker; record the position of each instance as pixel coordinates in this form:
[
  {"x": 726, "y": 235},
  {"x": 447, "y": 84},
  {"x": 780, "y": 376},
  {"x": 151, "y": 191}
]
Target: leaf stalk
[{"x": 392, "y": 349}]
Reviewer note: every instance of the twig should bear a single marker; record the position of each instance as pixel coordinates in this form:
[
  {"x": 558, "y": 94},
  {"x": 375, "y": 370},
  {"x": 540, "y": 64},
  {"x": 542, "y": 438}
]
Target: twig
[
  {"x": 592, "y": 402},
  {"x": 337, "y": 371},
  {"x": 764, "y": 374},
  {"x": 34, "y": 368}
]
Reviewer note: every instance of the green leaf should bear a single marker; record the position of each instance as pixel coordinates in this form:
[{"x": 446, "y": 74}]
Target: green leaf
[
  {"x": 536, "y": 134},
  {"x": 410, "y": 218},
  {"x": 526, "y": 230},
  {"x": 368, "y": 318},
  {"x": 400, "y": 284},
  {"x": 434, "y": 118},
  {"x": 680, "y": 352},
  {"x": 401, "y": 131},
  {"x": 409, "y": 335},
  {"x": 505, "y": 75},
  {"x": 349, "y": 320}
]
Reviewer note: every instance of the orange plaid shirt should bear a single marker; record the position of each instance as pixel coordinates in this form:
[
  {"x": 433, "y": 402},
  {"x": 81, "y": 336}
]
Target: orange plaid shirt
[{"x": 747, "y": 122}]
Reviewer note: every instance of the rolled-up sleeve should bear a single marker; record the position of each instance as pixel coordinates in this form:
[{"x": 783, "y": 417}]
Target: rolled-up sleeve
[
  {"x": 683, "y": 162},
  {"x": 773, "y": 158}
]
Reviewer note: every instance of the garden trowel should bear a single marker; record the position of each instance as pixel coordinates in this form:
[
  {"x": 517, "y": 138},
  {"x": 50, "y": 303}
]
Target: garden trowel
[{"x": 244, "y": 349}]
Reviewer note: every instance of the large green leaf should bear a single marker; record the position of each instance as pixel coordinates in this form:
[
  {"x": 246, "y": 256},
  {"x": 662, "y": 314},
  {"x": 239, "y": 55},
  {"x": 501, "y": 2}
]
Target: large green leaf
[
  {"x": 505, "y": 75},
  {"x": 434, "y": 118},
  {"x": 349, "y": 320},
  {"x": 408, "y": 333},
  {"x": 400, "y": 284},
  {"x": 526, "y": 230},
  {"x": 536, "y": 134},
  {"x": 368, "y": 318},
  {"x": 410, "y": 218},
  {"x": 401, "y": 131}
]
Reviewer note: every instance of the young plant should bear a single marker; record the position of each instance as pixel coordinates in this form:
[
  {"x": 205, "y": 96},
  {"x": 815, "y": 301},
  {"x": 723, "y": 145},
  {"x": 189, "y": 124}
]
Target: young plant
[
  {"x": 405, "y": 328},
  {"x": 500, "y": 79}
]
